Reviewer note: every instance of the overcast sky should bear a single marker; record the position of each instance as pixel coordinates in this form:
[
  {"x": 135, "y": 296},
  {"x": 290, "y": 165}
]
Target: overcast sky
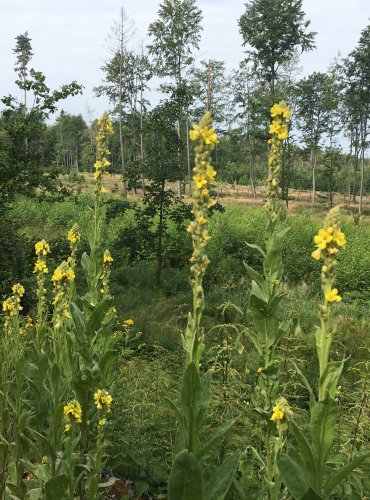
[{"x": 68, "y": 37}]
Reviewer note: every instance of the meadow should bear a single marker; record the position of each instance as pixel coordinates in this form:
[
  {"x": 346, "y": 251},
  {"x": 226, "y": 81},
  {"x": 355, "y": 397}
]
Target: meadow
[{"x": 111, "y": 388}]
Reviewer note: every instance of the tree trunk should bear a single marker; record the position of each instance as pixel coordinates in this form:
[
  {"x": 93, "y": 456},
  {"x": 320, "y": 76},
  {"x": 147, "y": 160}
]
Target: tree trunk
[
  {"x": 160, "y": 238},
  {"x": 313, "y": 166},
  {"x": 188, "y": 156}
]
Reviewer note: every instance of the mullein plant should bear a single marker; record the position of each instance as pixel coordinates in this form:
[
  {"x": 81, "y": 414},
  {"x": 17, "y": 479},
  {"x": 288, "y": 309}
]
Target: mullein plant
[
  {"x": 15, "y": 415},
  {"x": 55, "y": 408},
  {"x": 306, "y": 468},
  {"x": 267, "y": 331},
  {"x": 186, "y": 478},
  {"x": 93, "y": 317}
]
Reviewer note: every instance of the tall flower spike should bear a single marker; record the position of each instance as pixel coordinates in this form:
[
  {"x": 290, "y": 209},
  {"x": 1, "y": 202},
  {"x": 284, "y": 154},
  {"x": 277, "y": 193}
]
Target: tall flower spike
[
  {"x": 280, "y": 113},
  {"x": 204, "y": 178}
]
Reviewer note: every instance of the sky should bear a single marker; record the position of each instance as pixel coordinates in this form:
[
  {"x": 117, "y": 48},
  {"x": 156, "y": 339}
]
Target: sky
[{"x": 69, "y": 38}]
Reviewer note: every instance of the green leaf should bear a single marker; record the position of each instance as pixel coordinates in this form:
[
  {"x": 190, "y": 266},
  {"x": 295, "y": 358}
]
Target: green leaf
[
  {"x": 98, "y": 315},
  {"x": 254, "y": 275},
  {"x": 338, "y": 476},
  {"x": 311, "y": 494},
  {"x": 56, "y": 487},
  {"x": 306, "y": 384},
  {"x": 256, "y": 247},
  {"x": 329, "y": 379},
  {"x": 190, "y": 393},
  {"x": 176, "y": 410},
  {"x": 219, "y": 484},
  {"x": 215, "y": 438},
  {"x": 293, "y": 473},
  {"x": 306, "y": 453},
  {"x": 185, "y": 481},
  {"x": 78, "y": 319},
  {"x": 323, "y": 417}
]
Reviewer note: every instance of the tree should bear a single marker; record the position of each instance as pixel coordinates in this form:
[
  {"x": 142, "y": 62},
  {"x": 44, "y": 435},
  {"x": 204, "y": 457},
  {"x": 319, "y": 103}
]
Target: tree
[
  {"x": 24, "y": 53},
  {"x": 25, "y": 159},
  {"x": 118, "y": 77},
  {"x": 274, "y": 29},
  {"x": 357, "y": 101},
  {"x": 250, "y": 112},
  {"x": 175, "y": 35},
  {"x": 162, "y": 150},
  {"x": 69, "y": 132},
  {"x": 316, "y": 103}
]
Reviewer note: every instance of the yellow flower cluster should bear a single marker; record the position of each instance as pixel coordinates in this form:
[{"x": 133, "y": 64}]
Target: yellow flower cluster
[
  {"x": 73, "y": 235},
  {"x": 72, "y": 413},
  {"x": 128, "y": 322},
  {"x": 280, "y": 110},
  {"x": 280, "y": 412},
  {"x": 204, "y": 178},
  {"x": 62, "y": 277},
  {"x": 11, "y": 308},
  {"x": 102, "y": 400},
  {"x": 205, "y": 134},
  {"x": 107, "y": 259},
  {"x": 329, "y": 241},
  {"x": 101, "y": 164},
  {"x": 279, "y": 131},
  {"x": 63, "y": 273},
  {"x": 104, "y": 278},
  {"x": 42, "y": 248},
  {"x": 40, "y": 266}
]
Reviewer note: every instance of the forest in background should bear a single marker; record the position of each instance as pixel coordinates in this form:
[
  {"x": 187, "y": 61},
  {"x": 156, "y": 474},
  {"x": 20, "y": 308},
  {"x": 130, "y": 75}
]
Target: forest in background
[{"x": 326, "y": 150}]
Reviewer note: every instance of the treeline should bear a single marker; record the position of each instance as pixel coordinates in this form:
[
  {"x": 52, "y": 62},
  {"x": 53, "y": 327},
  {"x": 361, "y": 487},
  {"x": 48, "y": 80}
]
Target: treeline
[{"x": 329, "y": 109}]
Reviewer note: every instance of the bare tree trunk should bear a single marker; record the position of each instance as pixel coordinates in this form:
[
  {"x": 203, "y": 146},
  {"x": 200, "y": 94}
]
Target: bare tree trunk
[
  {"x": 178, "y": 160},
  {"x": 160, "y": 238},
  {"x": 142, "y": 139},
  {"x": 188, "y": 156},
  {"x": 362, "y": 179},
  {"x": 313, "y": 166}
]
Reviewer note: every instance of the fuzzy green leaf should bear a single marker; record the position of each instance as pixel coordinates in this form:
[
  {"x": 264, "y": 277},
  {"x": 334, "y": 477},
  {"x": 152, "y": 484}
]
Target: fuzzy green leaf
[
  {"x": 323, "y": 417},
  {"x": 329, "y": 379},
  {"x": 219, "y": 484},
  {"x": 293, "y": 473},
  {"x": 185, "y": 481},
  {"x": 56, "y": 487}
]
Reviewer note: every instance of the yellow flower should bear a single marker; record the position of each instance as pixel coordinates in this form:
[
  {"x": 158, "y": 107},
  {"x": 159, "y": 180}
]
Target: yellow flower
[
  {"x": 199, "y": 180},
  {"x": 332, "y": 295},
  {"x": 72, "y": 409},
  {"x": 18, "y": 290},
  {"x": 102, "y": 421},
  {"x": 73, "y": 235},
  {"x": 339, "y": 237},
  {"x": 108, "y": 259},
  {"x": 128, "y": 322},
  {"x": 42, "y": 248},
  {"x": 316, "y": 254},
  {"x": 276, "y": 110},
  {"x": 260, "y": 370},
  {"x": 281, "y": 410},
  {"x": 202, "y": 220},
  {"x": 323, "y": 238},
  {"x": 209, "y": 136},
  {"x": 40, "y": 266},
  {"x": 195, "y": 133},
  {"x": 278, "y": 413},
  {"x": 211, "y": 172}
]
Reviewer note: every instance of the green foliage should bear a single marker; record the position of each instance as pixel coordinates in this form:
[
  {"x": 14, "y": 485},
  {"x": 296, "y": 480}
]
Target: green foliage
[{"x": 274, "y": 31}]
